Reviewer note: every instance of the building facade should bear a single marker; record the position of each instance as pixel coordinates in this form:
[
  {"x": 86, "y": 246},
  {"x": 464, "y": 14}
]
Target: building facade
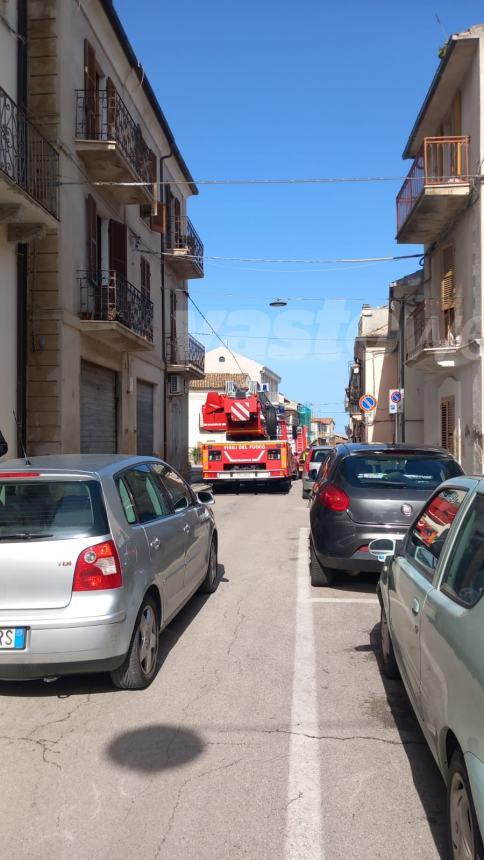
[
  {"x": 439, "y": 206},
  {"x": 322, "y": 430},
  {"x": 373, "y": 371},
  {"x": 106, "y": 350}
]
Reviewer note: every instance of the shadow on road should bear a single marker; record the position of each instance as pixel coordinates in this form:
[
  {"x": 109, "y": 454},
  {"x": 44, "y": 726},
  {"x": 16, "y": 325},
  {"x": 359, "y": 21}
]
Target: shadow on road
[
  {"x": 83, "y": 685},
  {"x": 425, "y": 773},
  {"x": 364, "y": 583},
  {"x": 248, "y": 489},
  {"x": 155, "y": 748}
]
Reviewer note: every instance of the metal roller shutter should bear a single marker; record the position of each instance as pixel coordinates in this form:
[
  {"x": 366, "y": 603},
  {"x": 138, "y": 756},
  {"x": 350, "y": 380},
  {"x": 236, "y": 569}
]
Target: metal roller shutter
[
  {"x": 144, "y": 418},
  {"x": 98, "y": 410}
]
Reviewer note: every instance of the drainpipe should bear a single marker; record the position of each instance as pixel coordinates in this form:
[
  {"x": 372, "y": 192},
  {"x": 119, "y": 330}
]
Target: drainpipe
[
  {"x": 22, "y": 249},
  {"x": 163, "y": 158}
]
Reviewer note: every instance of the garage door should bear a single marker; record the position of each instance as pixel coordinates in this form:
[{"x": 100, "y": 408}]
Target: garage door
[
  {"x": 98, "y": 409},
  {"x": 144, "y": 418}
]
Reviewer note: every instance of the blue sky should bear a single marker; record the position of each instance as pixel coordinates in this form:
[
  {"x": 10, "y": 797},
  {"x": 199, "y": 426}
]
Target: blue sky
[{"x": 273, "y": 89}]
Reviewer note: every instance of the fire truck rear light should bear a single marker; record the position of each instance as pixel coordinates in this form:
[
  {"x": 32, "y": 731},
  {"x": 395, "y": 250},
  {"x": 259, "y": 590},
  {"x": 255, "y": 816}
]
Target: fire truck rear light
[
  {"x": 333, "y": 498},
  {"x": 98, "y": 568}
]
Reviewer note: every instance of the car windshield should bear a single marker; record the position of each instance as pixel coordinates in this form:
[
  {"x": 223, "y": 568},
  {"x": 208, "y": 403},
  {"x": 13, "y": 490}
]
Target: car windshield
[
  {"x": 398, "y": 470},
  {"x": 52, "y": 509},
  {"x": 319, "y": 455}
]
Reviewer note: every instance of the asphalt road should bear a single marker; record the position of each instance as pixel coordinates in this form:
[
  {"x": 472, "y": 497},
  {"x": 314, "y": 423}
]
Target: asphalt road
[{"x": 268, "y": 733}]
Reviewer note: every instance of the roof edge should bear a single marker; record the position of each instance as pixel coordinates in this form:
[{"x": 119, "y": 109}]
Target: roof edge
[
  {"x": 122, "y": 36},
  {"x": 430, "y": 94}
]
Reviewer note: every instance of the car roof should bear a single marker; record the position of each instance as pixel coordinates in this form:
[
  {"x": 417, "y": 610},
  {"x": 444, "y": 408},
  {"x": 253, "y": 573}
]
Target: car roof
[
  {"x": 387, "y": 447},
  {"x": 87, "y": 463}
]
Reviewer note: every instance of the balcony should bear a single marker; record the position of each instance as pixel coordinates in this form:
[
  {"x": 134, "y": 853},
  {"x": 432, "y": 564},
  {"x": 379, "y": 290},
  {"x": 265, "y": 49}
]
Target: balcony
[
  {"x": 185, "y": 356},
  {"x": 184, "y": 248},
  {"x": 115, "y": 312},
  {"x": 112, "y": 147},
  {"x": 436, "y": 187},
  {"x": 29, "y": 175},
  {"x": 353, "y": 391},
  {"x": 432, "y": 342}
]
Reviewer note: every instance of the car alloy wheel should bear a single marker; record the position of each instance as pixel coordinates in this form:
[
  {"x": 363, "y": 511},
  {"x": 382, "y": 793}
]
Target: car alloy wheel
[
  {"x": 461, "y": 820},
  {"x": 147, "y": 640}
]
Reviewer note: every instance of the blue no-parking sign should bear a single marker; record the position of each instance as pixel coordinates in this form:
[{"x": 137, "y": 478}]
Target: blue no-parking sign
[
  {"x": 395, "y": 400},
  {"x": 367, "y": 403}
]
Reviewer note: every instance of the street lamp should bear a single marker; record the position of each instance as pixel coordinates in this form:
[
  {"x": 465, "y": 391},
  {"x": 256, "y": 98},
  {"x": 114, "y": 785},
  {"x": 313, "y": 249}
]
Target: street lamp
[{"x": 278, "y": 303}]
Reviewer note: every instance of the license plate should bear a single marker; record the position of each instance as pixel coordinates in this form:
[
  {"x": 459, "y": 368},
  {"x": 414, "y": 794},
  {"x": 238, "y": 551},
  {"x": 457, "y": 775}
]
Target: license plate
[{"x": 12, "y": 638}]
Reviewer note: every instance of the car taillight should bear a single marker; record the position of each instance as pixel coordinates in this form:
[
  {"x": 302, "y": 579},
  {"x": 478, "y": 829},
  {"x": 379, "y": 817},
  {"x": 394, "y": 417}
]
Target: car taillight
[
  {"x": 98, "y": 568},
  {"x": 333, "y": 498},
  {"x": 306, "y": 465}
]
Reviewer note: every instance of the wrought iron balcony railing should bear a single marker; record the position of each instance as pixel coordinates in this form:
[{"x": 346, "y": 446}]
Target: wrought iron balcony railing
[
  {"x": 101, "y": 115},
  {"x": 442, "y": 161},
  {"x": 26, "y": 157},
  {"x": 427, "y": 331},
  {"x": 182, "y": 236},
  {"x": 108, "y": 297},
  {"x": 185, "y": 352}
]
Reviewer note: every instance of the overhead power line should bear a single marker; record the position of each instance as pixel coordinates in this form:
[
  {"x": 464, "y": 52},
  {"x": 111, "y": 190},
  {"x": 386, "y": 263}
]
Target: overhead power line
[
  {"x": 225, "y": 345},
  {"x": 311, "y": 180},
  {"x": 244, "y": 336},
  {"x": 295, "y": 260}
]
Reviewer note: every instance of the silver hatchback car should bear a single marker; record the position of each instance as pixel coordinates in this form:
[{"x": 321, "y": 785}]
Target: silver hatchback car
[{"x": 97, "y": 554}]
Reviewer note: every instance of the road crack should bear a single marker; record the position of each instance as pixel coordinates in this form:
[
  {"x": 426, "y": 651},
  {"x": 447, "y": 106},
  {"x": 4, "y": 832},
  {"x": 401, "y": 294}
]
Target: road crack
[{"x": 171, "y": 820}]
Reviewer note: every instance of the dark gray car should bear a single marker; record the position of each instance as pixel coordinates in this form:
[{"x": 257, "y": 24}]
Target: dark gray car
[{"x": 364, "y": 492}]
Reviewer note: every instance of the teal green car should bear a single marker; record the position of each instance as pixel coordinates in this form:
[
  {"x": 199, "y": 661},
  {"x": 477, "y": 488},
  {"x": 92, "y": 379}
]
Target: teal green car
[{"x": 432, "y": 636}]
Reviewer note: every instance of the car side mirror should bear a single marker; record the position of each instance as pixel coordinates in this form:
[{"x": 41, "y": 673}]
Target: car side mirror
[
  {"x": 382, "y": 548},
  {"x": 205, "y": 497}
]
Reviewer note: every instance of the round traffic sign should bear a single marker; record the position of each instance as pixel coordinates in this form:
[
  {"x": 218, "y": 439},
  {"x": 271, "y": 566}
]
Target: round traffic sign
[
  {"x": 367, "y": 403},
  {"x": 396, "y": 396}
]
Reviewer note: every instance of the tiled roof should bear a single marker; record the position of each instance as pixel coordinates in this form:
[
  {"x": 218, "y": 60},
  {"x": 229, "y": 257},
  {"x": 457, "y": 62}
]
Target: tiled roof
[
  {"x": 216, "y": 381},
  {"x": 322, "y": 420}
]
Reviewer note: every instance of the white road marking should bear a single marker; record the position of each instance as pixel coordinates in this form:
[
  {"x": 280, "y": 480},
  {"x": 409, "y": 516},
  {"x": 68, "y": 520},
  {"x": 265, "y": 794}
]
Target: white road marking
[
  {"x": 304, "y": 827},
  {"x": 373, "y": 600}
]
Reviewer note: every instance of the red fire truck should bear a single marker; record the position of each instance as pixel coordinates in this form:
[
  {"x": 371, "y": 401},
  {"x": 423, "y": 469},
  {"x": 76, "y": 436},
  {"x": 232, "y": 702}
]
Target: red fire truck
[{"x": 256, "y": 446}]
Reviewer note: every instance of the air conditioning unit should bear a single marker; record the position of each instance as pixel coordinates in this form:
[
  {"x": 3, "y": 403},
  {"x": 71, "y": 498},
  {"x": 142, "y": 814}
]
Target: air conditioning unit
[{"x": 176, "y": 385}]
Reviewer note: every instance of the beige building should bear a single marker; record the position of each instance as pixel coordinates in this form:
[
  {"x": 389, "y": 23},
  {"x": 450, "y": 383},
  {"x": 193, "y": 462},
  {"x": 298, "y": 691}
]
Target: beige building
[
  {"x": 104, "y": 356},
  {"x": 439, "y": 205},
  {"x": 323, "y": 430},
  {"x": 373, "y": 371}
]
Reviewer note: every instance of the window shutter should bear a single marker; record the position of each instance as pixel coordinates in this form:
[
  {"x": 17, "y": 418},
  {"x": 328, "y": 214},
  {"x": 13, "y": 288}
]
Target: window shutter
[
  {"x": 91, "y": 237},
  {"x": 90, "y": 85},
  {"x": 111, "y": 109},
  {"x": 145, "y": 278},
  {"x": 118, "y": 248},
  {"x": 158, "y": 222},
  {"x": 173, "y": 315},
  {"x": 178, "y": 225},
  {"x": 169, "y": 214},
  {"x": 447, "y": 424},
  {"x": 447, "y": 284}
]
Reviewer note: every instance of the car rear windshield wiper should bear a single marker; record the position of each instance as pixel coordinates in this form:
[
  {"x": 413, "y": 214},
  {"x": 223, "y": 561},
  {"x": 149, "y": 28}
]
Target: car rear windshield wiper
[{"x": 26, "y": 535}]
